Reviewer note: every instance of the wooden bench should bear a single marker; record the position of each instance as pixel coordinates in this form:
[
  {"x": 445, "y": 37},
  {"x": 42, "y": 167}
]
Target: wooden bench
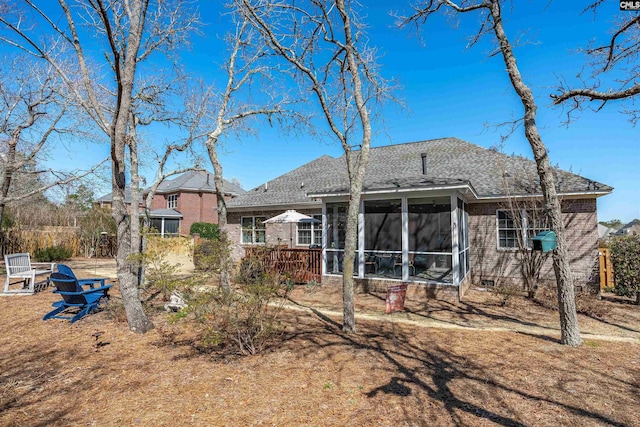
[{"x": 19, "y": 266}]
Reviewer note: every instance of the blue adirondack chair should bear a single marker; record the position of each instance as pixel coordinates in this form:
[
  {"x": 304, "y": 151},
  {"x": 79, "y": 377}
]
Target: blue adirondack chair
[
  {"x": 65, "y": 269},
  {"x": 84, "y": 301}
]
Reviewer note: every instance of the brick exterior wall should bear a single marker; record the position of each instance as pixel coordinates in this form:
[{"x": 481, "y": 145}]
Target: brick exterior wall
[
  {"x": 487, "y": 262},
  {"x": 194, "y": 207},
  {"x": 490, "y": 263},
  {"x": 276, "y": 233},
  {"x": 414, "y": 290}
]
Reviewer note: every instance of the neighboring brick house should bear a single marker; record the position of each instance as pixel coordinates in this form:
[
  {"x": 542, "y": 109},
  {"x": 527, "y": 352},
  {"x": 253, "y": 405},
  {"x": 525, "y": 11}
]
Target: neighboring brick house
[
  {"x": 183, "y": 200},
  {"x": 436, "y": 213}
]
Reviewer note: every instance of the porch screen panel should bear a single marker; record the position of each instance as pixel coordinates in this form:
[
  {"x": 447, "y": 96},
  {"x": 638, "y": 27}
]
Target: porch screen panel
[
  {"x": 383, "y": 225},
  {"x": 383, "y": 238},
  {"x": 430, "y": 225},
  {"x": 336, "y": 225},
  {"x": 463, "y": 239},
  {"x": 430, "y": 239},
  {"x": 336, "y": 232}
]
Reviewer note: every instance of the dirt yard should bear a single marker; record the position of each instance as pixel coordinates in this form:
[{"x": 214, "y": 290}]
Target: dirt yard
[{"x": 440, "y": 364}]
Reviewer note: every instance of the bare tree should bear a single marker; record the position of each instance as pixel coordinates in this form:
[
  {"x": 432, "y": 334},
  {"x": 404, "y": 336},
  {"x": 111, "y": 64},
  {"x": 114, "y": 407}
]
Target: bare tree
[
  {"x": 33, "y": 110},
  {"x": 130, "y": 32},
  {"x": 233, "y": 106},
  {"x": 525, "y": 211},
  {"x": 491, "y": 13},
  {"x": 619, "y": 56},
  {"x": 325, "y": 43}
]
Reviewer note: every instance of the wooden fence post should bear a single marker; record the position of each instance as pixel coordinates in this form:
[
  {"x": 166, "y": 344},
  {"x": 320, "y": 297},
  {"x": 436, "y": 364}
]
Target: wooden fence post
[{"x": 606, "y": 269}]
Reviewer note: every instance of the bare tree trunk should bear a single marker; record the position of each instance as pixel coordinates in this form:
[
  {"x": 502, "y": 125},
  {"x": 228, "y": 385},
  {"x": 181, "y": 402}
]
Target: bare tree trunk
[
  {"x": 343, "y": 78},
  {"x": 128, "y": 281},
  {"x": 137, "y": 268},
  {"x": 570, "y": 332},
  {"x": 356, "y": 178},
  {"x": 7, "y": 175},
  {"x": 225, "y": 262},
  {"x": 350, "y": 249}
]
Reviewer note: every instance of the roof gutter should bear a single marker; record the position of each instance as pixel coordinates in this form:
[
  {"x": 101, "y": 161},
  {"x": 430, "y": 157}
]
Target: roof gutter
[
  {"x": 400, "y": 190},
  {"x": 275, "y": 206},
  {"x": 531, "y": 196}
]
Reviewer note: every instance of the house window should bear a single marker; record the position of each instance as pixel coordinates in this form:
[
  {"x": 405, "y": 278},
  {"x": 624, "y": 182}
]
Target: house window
[
  {"x": 517, "y": 231},
  {"x": 165, "y": 226},
  {"x": 310, "y": 233},
  {"x": 253, "y": 230},
  {"x": 172, "y": 201}
]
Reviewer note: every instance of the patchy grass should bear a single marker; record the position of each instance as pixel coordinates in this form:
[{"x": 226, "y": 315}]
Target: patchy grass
[{"x": 54, "y": 373}]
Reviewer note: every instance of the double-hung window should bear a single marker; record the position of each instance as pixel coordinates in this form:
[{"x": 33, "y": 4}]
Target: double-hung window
[
  {"x": 253, "y": 229},
  {"x": 172, "y": 201},
  {"x": 310, "y": 233},
  {"x": 516, "y": 228}
]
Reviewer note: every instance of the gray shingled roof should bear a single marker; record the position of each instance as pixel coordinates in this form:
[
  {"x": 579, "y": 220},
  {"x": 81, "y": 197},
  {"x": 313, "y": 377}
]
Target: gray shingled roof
[
  {"x": 109, "y": 197},
  {"x": 188, "y": 181},
  {"x": 196, "y": 181},
  {"x": 450, "y": 162},
  {"x": 167, "y": 213}
]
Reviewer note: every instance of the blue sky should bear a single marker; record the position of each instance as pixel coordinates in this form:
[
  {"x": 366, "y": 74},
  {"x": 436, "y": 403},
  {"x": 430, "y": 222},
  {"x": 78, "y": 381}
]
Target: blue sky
[{"x": 457, "y": 92}]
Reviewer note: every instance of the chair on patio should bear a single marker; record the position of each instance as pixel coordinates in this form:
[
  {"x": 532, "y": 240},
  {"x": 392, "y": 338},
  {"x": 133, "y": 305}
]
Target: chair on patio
[
  {"x": 65, "y": 269},
  {"x": 74, "y": 297},
  {"x": 398, "y": 263}
]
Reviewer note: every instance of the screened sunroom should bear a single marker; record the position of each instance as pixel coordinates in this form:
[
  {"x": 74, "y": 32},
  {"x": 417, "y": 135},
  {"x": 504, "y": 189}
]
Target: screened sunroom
[{"x": 421, "y": 238}]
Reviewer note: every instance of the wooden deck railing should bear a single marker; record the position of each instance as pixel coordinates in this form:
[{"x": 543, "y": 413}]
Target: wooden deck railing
[{"x": 303, "y": 265}]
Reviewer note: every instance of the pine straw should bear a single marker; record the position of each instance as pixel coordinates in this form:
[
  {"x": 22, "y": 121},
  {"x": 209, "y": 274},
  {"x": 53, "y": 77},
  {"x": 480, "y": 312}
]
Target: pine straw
[{"x": 316, "y": 375}]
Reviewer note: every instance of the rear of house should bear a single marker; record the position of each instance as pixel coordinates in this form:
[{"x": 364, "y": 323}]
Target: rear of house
[{"x": 441, "y": 214}]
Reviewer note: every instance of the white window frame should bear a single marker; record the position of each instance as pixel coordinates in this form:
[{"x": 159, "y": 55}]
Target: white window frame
[
  {"x": 172, "y": 201},
  {"x": 316, "y": 228},
  {"x": 253, "y": 230},
  {"x": 522, "y": 233}
]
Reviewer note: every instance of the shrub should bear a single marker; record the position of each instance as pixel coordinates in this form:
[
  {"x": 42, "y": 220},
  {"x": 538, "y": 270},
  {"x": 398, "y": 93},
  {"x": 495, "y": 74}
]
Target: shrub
[
  {"x": 242, "y": 322},
  {"x": 625, "y": 257},
  {"x": 209, "y": 254},
  {"x": 251, "y": 271},
  {"x": 52, "y": 253},
  {"x": 206, "y": 230},
  {"x": 160, "y": 273}
]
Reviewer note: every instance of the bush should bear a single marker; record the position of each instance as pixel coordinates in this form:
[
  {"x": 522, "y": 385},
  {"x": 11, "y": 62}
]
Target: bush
[
  {"x": 52, "y": 254},
  {"x": 625, "y": 257},
  {"x": 251, "y": 271},
  {"x": 209, "y": 254},
  {"x": 206, "y": 230},
  {"x": 160, "y": 272},
  {"x": 242, "y": 322}
]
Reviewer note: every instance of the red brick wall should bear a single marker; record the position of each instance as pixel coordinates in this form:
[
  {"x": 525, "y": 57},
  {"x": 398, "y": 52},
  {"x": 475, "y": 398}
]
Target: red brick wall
[{"x": 194, "y": 207}]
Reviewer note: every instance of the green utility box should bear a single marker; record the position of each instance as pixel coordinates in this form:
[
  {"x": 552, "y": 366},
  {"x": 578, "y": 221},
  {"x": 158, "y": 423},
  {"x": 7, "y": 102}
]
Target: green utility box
[{"x": 545, "y": 241}]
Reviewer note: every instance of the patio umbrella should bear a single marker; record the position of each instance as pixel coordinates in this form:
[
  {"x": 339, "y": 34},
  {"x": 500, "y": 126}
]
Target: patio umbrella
[{"x": 291, "y": 216}]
